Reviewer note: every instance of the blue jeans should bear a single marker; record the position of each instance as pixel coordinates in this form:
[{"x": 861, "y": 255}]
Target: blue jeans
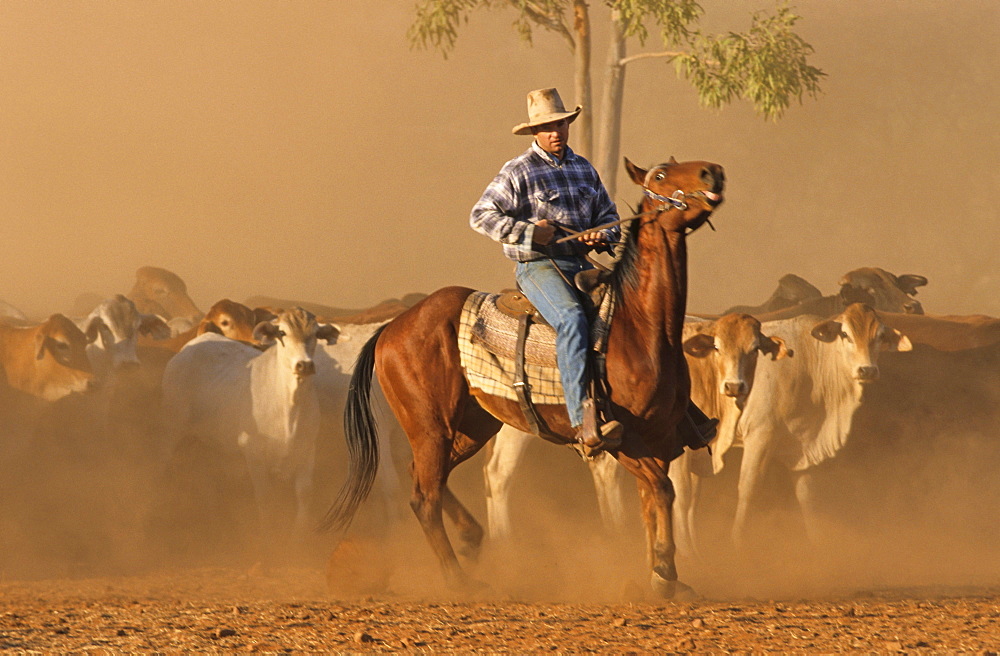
[{"x": 560, "y": 306}]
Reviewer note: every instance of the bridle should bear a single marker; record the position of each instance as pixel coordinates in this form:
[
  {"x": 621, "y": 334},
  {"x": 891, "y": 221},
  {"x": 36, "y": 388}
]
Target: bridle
[{"x": 675, "y": 201}]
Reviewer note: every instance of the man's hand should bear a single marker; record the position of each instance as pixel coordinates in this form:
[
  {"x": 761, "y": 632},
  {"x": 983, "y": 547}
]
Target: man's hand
[
  {"x": 592, "y": 238},
  {"x": 543, "y": 233}
]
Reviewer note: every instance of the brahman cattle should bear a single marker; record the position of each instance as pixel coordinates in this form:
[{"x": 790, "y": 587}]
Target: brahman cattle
[
  {"x": 162, "y": 292},
  {"x": 800, "y": 411},
  {"x": 46, "y": 360},
  {"x": 791, "y": 290},
  {"x": 112, "y": 329},
  {"x": 722, "y": 359},
  {"x": 872, "y": 286},
  {"x": 262, "y": 404}
]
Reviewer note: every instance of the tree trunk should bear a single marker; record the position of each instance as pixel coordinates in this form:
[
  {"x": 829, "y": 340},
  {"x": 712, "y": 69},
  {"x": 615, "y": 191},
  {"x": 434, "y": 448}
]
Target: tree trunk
[
  {"x": 609, "y": 130},
  {"x": 581, "y": 63}
]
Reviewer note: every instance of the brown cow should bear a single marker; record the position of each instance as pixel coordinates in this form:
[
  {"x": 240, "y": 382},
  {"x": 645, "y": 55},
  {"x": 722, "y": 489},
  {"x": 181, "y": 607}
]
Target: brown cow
[
  {"x": 162, "y": 292},
  {"x": 946, "y": 332},
  {"x": 872, "y": 286},
  {"x": 791, "y": 290},
  {"x": 46, "y": 360},
  {"x": 227, "y": 318}
]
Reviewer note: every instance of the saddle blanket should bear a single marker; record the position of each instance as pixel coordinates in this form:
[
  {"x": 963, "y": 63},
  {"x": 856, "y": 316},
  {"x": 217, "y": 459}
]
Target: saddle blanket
[{"x": 487, "y": 341}]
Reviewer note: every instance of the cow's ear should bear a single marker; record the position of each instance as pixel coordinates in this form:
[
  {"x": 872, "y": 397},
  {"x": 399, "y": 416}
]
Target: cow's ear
[
  {"x": 267, "y": 332},
  {"x": 827, "y": 331},
  {"x": 638, "y": 175},
  {"x": 92, "y": 328},
  {"x": 264, "y": 314},
  {"x": 775, "y": 347},
  {"x": 893, "y": 340},
  {"x": 328, "y": 331},
  {"x": 700, "y": 345},
  {"x": 154, "y": 326},
  {"x": 909, "y": 282}
]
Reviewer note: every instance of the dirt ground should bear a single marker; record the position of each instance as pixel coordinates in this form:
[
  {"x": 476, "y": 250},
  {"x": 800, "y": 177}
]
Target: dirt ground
[
  {"x": 223, "y": 610},
  {"x": 95, "y": 557}
]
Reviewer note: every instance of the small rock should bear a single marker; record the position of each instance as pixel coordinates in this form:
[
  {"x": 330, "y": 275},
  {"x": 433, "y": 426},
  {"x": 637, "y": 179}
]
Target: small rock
[
  {"x": 698, "y": 623},
  {"x": 121, "y": 632},
  {"x": 361, "y": 636},
  {"x": 619, "y": 622},
  {"x": 893, "y": 645},
  {"x": 223, "y": 633}
]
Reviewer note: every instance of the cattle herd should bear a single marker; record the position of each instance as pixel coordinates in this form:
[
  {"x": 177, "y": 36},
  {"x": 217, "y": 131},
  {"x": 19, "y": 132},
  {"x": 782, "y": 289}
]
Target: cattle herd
[{"x": 144, "y": 428}]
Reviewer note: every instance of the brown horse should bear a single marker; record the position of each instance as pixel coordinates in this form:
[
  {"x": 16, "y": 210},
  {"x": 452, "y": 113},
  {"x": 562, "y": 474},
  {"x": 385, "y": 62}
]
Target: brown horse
[{"x": 416, "y": 359}]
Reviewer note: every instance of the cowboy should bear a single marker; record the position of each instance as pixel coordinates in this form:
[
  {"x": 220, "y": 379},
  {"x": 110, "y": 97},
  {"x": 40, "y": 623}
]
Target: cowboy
[{"x": 546, "y": 190}]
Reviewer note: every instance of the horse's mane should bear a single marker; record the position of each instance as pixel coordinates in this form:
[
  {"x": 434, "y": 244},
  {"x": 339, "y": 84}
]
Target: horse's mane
[{"x": 625, "y": 275}]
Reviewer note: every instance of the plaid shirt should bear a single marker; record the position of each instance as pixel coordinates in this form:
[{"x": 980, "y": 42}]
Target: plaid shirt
[{"x": 535, "y": 186}]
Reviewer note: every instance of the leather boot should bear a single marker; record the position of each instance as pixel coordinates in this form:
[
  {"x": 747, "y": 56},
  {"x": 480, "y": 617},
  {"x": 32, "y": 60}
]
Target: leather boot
[
  {"x": 609, "y": 435},
  {"x": 587, "y": 434},
  {"x": 697, "y": 429}
]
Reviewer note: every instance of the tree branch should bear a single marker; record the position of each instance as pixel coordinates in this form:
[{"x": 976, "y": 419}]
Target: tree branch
[
  {"x": 649, "y": 55},
  {"x": 554, "y": 23}
]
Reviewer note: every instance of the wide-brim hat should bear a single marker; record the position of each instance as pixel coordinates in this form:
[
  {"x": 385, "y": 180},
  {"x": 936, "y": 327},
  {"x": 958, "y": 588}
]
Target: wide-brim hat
[{"x": 545, "y": 106}]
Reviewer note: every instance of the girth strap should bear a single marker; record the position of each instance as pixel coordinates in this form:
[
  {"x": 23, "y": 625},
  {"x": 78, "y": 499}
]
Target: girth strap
[{"x": 523, "y": 390}]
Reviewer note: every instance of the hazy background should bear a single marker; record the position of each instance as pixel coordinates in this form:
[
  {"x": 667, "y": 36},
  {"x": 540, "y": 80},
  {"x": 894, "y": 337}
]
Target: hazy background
[{"x": 302, "y": 149}]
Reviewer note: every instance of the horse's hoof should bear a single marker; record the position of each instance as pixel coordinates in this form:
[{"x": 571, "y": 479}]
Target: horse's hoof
[{"x": 673, "y": 590}]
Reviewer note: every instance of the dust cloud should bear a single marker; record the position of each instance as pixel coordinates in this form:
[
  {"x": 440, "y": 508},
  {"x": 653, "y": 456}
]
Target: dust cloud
[{"x": 302, "y": 150}]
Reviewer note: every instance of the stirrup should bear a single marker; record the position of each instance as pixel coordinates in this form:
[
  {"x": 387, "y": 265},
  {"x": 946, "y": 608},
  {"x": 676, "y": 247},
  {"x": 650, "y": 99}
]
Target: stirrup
[{"x": 610, "y": 435}]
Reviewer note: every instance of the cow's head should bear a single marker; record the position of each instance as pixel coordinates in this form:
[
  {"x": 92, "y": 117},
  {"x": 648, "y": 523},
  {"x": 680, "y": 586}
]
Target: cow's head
[
  {"x": 61, "y": 366},
  {"x": 882, "y": 290},
  {"x": 162, "y": 292},
  {"x": 113, "y": 327},
  {"x": 234, "y": 320},
  {"x": 859, "y": 337},
  {"x": 293, "y": 334},
  {"x": 733, "y": 342}
]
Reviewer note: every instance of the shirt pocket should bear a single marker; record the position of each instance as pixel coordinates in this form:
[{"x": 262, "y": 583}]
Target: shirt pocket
[
  {"x": 548, "y": 204},
  {"x": 586, "y": 198}
]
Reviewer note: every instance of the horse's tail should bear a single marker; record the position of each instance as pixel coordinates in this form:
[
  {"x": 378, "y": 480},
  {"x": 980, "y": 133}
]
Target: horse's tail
[{"x": 361, "y": 433}]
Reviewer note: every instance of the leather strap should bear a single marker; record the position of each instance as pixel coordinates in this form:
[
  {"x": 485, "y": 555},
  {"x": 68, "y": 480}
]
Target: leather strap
[{"x": 523, "y": 390}]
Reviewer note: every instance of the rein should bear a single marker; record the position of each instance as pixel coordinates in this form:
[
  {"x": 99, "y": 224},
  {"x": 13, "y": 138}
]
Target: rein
[{"x": 676, "y": 201}]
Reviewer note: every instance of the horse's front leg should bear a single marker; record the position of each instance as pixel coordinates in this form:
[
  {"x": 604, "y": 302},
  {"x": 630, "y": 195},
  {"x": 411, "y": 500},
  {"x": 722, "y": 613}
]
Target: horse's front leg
[{"x": 657, "y": 495}]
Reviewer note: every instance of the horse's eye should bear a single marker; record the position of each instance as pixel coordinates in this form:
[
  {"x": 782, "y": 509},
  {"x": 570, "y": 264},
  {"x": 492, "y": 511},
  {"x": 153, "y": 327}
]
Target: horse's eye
[{"x": 660, "y": 176}]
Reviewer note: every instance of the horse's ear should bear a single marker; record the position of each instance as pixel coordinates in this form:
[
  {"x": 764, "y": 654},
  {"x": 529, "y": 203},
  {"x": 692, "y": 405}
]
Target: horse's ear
[
  {"x": 638, "y": 175},
  {"x": 672, "y": 160}
]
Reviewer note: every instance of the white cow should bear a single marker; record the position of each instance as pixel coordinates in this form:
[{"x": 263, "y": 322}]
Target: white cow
[
  {"x": 801, "y": 409},
  {"x": 117, "y": 324},
  {"x": 722, "y": 357},
  {"x": 261, "y": 403}
]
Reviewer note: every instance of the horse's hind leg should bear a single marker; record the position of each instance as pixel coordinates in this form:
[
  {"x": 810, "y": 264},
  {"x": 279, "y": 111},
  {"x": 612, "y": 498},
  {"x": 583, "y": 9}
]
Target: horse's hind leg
[
  {"x": 429, "y": 489},
  {"x": 470, "y": 531}
]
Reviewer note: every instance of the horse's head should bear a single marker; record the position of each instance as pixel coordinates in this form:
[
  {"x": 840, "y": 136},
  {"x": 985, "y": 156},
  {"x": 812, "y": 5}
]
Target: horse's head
[{"x": 683, "y": 194}]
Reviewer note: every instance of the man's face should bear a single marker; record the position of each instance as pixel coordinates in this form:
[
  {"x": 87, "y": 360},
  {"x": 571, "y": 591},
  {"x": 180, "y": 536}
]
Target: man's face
[{"x": 552, "y": 137}]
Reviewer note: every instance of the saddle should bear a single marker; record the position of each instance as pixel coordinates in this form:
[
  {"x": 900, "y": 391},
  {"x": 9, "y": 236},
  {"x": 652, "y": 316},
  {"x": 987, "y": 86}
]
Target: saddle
[{"x": 517, "y": 331}]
